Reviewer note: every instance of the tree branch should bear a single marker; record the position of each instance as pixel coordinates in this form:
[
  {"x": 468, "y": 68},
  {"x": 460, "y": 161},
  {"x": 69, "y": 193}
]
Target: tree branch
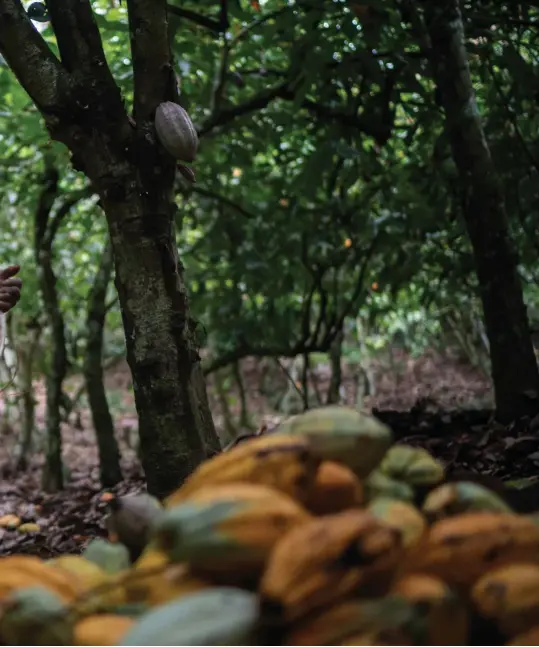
[
  {"x": 209, "y": 23},
  {"x": 28, "y": 55},
  {"x": 245, "y": 350},
  {"x": 63, "y": 210},
  {"x": 256, "y": 23},
  {"x": 77, "y": 34},
  {"x": 150, "y": 50},
  {"x": 207, "y": 193},
  {"x": 285, "y": 92},
  {"x": 258, "y": 102}
]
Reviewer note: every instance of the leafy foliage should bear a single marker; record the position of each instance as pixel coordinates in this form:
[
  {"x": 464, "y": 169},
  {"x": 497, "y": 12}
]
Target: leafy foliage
[{"x": 325, "y": 186}]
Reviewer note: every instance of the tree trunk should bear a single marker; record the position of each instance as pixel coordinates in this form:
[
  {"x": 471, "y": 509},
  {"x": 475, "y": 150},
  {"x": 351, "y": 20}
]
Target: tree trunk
[
  {"x": 44, "y": 235},
  {"x": 229, "y": 433},
  {"x": 109, "y": 455},
  {"x": 245, "y": 419},
  {"x": 335, "y": 359},
  {"x": 26, "y": 353},
  {"x": 83, "y": 107},
  {"x": 514, "y": 369},
  {"x": 174, "y": 416}
]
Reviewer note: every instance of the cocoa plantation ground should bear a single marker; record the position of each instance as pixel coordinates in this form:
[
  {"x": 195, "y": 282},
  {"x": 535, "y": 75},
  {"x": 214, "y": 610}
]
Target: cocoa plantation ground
[{"x": 434, "y": 401}]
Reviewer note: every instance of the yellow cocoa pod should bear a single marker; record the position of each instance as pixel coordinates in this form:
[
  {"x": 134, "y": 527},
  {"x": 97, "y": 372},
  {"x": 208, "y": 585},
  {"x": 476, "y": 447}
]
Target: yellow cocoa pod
[
  {"x": 102, "y": 629},
  {"x": 285, "y": 463},
  {"x": 227, "y": 533},
  {"x": 155, "y": 588},
  {"x": 147, "y": 570},
  {"x": 28, "y": 528},
  {"x": 10, "y": 521},
  {"x": 509, "y": 595},
  {"x": 342, "y": 434},
  {"x": 336, "y": 489},
  {"x": 326, "y": 559},
  {"x": 400, "y": 515},
  {"x": 21, "y": 571},
  {"x": 90, "y": 576},
  {"x": 461, "y": 549},
  {"x": 530, "y": 637},
  {"x": 444, "y": 614},
  {"x": 350, "y": 618},
  {"x": 451, "y": 499}
]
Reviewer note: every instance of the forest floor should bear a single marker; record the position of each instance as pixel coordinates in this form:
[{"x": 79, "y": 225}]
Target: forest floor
[{"x": 433, "y": 401}]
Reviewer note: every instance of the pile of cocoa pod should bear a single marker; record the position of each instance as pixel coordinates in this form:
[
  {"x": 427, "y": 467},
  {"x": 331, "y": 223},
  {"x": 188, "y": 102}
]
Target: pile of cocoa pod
[{"x": 322, "y": 533}]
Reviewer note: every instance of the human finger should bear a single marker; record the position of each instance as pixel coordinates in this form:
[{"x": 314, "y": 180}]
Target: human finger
[
  {"x": 11, "y": 283},
  {"x": 9, "y": 271}
]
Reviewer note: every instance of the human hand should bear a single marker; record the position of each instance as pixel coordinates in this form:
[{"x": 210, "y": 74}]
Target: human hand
[{"x": 10, "y": 287}]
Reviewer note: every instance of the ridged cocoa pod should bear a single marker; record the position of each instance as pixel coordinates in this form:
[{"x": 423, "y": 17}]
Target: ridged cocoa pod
[
  {"x": 509, "y": 596},
  {"x": 325, "y": 560},
  {"x": 444, "y": 616},
  {"x": 461, "y": 549},
  {"x": 176, "y": 131}
]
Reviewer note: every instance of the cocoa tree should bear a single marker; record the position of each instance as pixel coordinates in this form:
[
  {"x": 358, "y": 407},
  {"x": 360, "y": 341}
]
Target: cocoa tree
[
  {"x": 514, "y": 369},
  {"x": 83, "y": 108}
]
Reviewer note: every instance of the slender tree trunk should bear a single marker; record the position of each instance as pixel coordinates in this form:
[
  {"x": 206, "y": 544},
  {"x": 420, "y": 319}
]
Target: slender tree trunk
[
  {"x": 245, "y": 420},
  {"x": 109, "y": 454},
  {"x": 230, "y": 432},
  {"x": 514, "y": 369},
  {"x": 44, "y": 235},
  {"x": 335, "y": 359},
  {"x": 26, "y": 353}
]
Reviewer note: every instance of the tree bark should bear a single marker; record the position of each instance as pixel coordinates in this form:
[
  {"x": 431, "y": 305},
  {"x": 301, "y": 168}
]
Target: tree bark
[
  {"x": 109, "y": 455},
  {"x": 335, "y": 359},
  {"x": 52, "y": 478},
  {"x": 514, "y": 368},
  {"x": 26, "y": 352},
  {"x": 134, "y": 177}
]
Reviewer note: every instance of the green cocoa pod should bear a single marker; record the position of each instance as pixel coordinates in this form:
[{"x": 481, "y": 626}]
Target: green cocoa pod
[
  {"x": 344, "y": 435},
  {"x": 402, "y": 516},
  {"x": 379, "y": 484},
  {"x": 112, "y": 558},
  {"x": 451, "y": 499},
  {"x": 216, "y": 616},
  {"x": 413, "y": 465},
  {"x": 35, "y": 616}
]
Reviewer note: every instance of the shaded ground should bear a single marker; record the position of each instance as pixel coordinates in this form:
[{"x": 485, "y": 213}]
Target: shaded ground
[{"x": 433, "y": 401}]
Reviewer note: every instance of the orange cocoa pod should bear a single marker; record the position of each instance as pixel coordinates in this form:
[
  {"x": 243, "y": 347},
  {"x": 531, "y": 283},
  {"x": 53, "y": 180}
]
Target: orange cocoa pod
[
  {"x": 351, "y": 619},
  {"x": 326, "y": 559},
  {"x": 337, "y": 488},
  {"x": 283, "y": 462},
  {"x": 102, "y": 629},
  {"x": 509, "y": 596},
  {"x": 461, "y": 549},
  {"x": 445, "y": 616}
]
